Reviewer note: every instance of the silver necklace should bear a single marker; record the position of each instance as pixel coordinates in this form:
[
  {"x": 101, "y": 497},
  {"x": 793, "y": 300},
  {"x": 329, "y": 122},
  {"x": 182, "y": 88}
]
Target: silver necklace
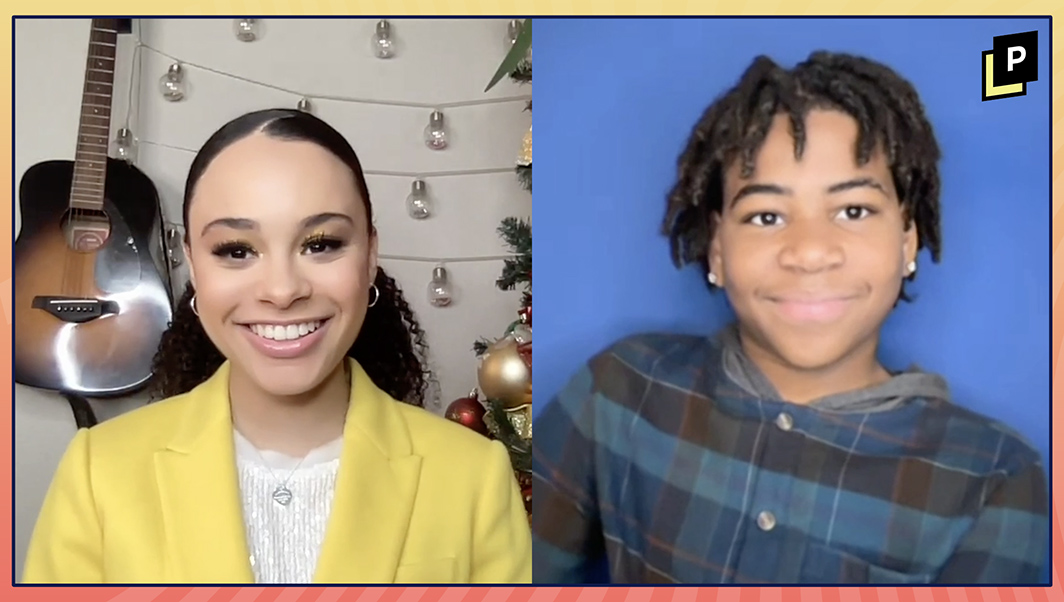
[{"x": 281, "y": 494}]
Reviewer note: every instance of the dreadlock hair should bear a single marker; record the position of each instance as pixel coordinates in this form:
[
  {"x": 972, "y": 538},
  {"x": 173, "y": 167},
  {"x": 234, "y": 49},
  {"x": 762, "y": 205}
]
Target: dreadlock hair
[
  {"x": 889, "y": 116},
  {"x": 391, "y": 344}
]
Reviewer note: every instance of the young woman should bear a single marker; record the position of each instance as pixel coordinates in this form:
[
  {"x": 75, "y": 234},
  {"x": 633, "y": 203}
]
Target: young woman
[
  {"x": 782, "y": 450},
  {"x": 290, "y": 447}
]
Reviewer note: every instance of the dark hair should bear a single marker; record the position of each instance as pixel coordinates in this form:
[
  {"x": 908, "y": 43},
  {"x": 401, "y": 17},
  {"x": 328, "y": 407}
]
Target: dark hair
[
  {"x": 886, "y": 107},
  {"x": 391, "y": 344}
]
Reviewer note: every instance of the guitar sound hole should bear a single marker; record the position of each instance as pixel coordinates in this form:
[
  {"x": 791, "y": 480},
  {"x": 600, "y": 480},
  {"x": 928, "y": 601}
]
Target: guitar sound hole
[{"x": 86, "y": 230}]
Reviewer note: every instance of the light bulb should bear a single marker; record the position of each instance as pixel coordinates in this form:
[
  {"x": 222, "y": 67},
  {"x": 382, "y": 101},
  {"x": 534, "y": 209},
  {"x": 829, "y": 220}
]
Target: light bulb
[
  {"x": 124, "y": 146},
  {"x": 382, "y": 44},
  {"x": 417, "y": 203},
  {"x": 513, "y": 29},
  {"x": 172, "y": 83},
  {"x": 246, "y": 30},
  {"x": 304, "y": 105},
  {"x": 440, "y": 293},
  {"x": 435, "y": 132}
]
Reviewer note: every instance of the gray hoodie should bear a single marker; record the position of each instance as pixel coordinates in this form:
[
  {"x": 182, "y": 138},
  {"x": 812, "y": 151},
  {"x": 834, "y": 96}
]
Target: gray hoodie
[{"x": 904, "y": 386}]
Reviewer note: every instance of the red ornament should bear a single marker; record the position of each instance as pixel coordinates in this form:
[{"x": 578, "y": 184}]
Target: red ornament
[
  {"x": 526, "y": 315},
  {"x": 468, "y": 412}
]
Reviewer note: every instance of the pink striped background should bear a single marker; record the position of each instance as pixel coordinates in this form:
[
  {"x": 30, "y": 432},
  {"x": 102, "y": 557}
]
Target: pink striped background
[{"x": 545, "y": 594}]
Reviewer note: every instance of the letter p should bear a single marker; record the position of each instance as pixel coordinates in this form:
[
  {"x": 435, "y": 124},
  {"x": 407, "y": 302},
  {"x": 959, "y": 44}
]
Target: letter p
[{"x": 1016, "y": 56}]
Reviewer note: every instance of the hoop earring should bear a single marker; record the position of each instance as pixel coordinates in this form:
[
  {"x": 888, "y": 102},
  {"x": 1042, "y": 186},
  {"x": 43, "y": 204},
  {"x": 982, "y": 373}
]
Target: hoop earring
[
  {"x": 376, "y": 296},
  {"x": 192, "y": 304}
]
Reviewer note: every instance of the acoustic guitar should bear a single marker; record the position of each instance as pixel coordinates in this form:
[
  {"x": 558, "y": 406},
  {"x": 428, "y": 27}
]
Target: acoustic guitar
[{"x": 91, "y": 296}]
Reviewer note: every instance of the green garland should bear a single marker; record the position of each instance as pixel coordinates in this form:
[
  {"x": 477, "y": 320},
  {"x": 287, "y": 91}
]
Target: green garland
[{"x": 518, "y": 269}]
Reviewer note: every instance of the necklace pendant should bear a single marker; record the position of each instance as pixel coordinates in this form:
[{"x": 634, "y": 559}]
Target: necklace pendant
[{"x": 282, "y": 495}]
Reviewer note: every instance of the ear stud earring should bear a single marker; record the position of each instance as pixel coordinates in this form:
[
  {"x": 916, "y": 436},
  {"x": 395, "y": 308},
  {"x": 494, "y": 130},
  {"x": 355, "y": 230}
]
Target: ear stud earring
[
  {"x": 712, "y": 278},
  {"x": 911, "y": 268}
]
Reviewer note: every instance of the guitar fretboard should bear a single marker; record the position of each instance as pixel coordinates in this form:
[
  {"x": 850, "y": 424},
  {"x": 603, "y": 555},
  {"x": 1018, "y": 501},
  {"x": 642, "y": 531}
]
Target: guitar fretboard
[{"x": 90, "y": 157}]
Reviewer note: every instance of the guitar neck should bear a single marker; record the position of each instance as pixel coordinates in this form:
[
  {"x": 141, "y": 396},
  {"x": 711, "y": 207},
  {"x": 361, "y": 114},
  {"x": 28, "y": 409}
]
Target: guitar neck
[{"x": 94, "y": 128}]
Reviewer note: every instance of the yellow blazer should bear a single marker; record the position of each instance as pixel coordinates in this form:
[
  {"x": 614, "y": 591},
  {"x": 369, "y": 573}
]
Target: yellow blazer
[{"x": 152, "y": 496}]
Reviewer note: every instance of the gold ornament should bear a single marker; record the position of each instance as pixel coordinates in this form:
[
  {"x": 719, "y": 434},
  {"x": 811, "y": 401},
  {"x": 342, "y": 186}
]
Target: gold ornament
[
  {"x": 521, "y": 419},
  {"x": 526, "y": 150},
  {"x": 503, "y": 374}
]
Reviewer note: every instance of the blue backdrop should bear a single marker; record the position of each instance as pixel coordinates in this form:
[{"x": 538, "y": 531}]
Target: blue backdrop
[{"x": 615, "y": 100}]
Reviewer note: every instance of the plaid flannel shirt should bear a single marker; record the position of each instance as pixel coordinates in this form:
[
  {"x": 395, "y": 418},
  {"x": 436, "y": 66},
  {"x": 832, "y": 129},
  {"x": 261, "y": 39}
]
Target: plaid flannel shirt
[{"x": 654, "y": 462}]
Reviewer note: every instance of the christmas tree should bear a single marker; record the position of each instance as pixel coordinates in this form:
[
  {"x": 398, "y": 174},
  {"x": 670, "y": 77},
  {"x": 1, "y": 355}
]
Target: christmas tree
[{"x": 501, "y": 407}]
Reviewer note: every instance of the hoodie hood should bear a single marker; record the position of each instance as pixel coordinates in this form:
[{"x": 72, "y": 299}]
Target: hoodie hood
[{"x": 902, "y": 387}]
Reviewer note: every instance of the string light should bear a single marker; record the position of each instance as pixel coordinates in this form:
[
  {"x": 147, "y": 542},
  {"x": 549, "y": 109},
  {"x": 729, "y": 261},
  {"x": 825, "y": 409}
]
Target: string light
[
  {"x": 513, "y": 29},
  {"x": 184, "y": 66},
  {"x": 179, "y": 230},
  {"x": 481, "y": 171},
  {"x": 435, "y": 132},
  {"x": 440, "y": 292},
  {"x": 174, "y": 88},
  {"x": 172, "y": 83},
  {"x": 382, "y": 44},
  {"x": 124, "y": 146},
  {"x": 417, "y": 202},
  {"x": 440, "y": 289},
  {"x": 247, "y": 30}
]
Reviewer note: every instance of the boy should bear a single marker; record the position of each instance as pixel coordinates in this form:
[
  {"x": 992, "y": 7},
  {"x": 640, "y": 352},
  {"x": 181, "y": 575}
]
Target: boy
[{"x": 780, "y": 450}]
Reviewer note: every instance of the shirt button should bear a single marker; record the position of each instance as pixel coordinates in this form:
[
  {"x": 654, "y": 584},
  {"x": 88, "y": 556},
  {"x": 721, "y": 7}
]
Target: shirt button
[
  {"x": 784, "y": 421},
  {"x": 766, "y": 521}
]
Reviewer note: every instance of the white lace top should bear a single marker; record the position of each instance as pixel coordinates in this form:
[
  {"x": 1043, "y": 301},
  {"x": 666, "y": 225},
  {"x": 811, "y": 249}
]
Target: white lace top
[{"x": 285, "y": 540}]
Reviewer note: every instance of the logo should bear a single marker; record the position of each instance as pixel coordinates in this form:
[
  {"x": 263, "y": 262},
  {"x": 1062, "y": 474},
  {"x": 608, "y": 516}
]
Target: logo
[{"x": 1010, "y": 65}]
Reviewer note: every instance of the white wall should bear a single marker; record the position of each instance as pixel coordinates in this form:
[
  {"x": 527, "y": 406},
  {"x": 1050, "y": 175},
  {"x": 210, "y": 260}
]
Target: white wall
[{"x": 441, "y": 63}]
